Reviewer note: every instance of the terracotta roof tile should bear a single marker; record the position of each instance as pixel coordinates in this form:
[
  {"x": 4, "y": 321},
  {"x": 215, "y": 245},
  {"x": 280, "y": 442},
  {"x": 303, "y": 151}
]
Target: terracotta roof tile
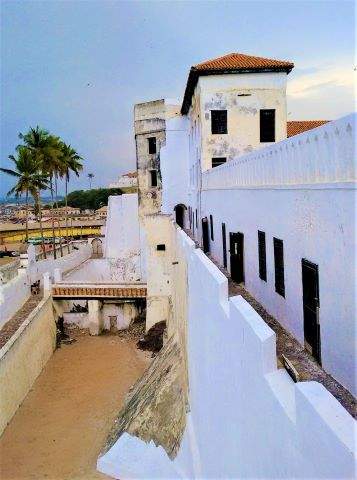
[
  {"x": 131, "y": 174},
  {"x": 237, "y": 61},
  {"x": 294, "y": 127},
  {"x": 231, "y": 63}
]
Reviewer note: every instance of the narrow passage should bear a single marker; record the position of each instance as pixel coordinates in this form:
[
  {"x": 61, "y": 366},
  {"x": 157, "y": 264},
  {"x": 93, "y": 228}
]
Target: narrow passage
[{"x": 63, "y": 423}]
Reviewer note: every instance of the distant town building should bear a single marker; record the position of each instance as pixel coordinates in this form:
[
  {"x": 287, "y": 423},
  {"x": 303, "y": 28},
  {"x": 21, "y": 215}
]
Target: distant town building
[
  {"x": 101, "y": 212},
  {"x": 127, "y": 180}
]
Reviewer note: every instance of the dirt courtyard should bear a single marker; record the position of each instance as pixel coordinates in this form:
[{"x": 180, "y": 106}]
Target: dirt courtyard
[{"x": 60, "y": 428}]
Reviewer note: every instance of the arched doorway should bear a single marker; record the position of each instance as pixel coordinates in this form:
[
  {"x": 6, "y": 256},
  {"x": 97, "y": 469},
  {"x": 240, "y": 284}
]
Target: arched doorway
[
  {"x": 97, "y": 247},
  {"x": 180, "y": 215}
]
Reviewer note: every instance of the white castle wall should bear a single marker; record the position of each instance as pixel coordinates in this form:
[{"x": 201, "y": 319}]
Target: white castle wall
[
  {"x": 300, "y": 191},
  {"x": 247, "y": 418},
  {"x": 174, "y": 164},
  {"x": 122, "y": 234}
]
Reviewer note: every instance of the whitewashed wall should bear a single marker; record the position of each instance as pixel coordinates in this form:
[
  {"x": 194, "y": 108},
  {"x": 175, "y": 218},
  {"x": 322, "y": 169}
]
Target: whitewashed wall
[
  {"x": 64, "y": 264},
  {"x": 13, "y": 295},
  {"x": 174, "y": 165},
  {"x": 247, "y": 418},
  {"x": 242, "y": 95},
  {"x": 312, "y": 210},
  {"x": 122, "y": 234},
  {"x": 16, "y": 292}
]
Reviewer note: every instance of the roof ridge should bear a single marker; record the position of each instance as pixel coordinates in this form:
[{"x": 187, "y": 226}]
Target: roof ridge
[{"x": 242, "y": 56}]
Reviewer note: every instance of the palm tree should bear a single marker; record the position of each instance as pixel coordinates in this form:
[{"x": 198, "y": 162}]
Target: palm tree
[
  {"x": 47, "y": 152},
  {"x": 41, "y": 183},
  {"x": 70, "y": 162},
  {"x": 23, "y": 171},
  {"x": 29, "y": 181},
  {"x": 90, "y": 177}
]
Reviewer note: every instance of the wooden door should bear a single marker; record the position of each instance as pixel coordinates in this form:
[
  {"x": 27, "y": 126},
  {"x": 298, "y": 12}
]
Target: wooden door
[
  {"x": 224, "y": 245},
  {"x": 205, "y": 235},
  {"x": 311, "y": 304},
  {"x": 236, "y": 242}
]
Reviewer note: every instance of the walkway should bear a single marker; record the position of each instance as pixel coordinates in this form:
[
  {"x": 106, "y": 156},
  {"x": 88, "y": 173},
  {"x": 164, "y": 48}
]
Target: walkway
[
  {"x": 63, "y": 423},
  {"x": 11, "y": 326}
]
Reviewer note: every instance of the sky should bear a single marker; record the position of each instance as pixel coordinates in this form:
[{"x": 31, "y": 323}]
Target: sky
[{"x": 77, "y": 68}]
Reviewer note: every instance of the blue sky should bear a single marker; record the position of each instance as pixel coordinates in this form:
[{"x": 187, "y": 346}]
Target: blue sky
[{"x": 78, "y": 67}]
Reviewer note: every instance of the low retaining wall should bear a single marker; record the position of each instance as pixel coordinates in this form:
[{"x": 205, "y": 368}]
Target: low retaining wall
[
  {"x": 13, "y": 295},
  {"x": 23, "y": 357},
  {"x": 247, "y": 418},
  {"x": 65, "y": 263}
]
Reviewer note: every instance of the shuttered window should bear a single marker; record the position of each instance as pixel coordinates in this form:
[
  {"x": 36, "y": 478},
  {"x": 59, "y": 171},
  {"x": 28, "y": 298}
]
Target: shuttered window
[
  {"x": 279, "y": 266},
  {"x": 211, "y": 224},
  {"x": 224, "y": 245},
  {"x": 262, "y": 256},
  {"x": 267, "y": 125},
  {"x": 218, "y": 121}
]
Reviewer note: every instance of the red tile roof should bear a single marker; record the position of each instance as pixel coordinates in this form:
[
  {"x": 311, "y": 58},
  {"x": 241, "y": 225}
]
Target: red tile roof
[
  {"x": 131, "y": 174},
  {"x": 239, "y": 61},
  {"x": 295, "y": 127},
  {"x": 231, "y": 63}
]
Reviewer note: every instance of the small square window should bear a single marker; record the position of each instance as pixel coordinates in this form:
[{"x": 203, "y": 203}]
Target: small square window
[
  {"x": 153, "y": 178},
  {"x": 219, "y": 121},
  {"x": 152, "y": 145},
  {"x": 216, "y": 161}
]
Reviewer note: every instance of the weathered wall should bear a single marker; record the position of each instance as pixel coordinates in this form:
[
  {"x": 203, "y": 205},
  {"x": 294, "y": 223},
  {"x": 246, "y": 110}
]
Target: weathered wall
[
  {"x": 300, "y": 191},
  {"x": 159, "y": 265},
  {"x": 247, "y": 418},
  {"x": 149, "y": 121},
  {"x": 117, "y": 316},
  {"x": 122, "y": 236},
  {"x": 156, "y": 406},
  {"x": 242, "y": 95},
  {"x": 23, "y": 357}
]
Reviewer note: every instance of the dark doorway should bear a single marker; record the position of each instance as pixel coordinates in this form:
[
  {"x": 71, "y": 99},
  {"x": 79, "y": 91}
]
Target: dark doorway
[
  {"x": 179, "y": 215},
  {"x": 311, "y": 303},
  {"x": 236, "y": 248},
  {"x": 205, "y": 235},
  {"x": 224, "y": 245}
]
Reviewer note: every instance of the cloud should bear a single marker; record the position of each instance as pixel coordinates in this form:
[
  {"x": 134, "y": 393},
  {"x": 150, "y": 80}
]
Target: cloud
[{"x": 327, "y": 76}]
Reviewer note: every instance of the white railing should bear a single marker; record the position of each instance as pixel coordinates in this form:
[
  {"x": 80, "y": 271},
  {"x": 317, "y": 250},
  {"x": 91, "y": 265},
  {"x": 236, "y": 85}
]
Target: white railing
[
  {"x": 49, "y": 253},
  {"x": 322, "y": 155}
]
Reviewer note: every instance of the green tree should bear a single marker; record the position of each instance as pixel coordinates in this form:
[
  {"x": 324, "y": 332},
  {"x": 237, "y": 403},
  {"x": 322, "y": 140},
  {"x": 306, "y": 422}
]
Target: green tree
[
  {"x": 46, "y": 150},
  {"x": 29, "y": 180},
  {"x": 90, "y": 199}
]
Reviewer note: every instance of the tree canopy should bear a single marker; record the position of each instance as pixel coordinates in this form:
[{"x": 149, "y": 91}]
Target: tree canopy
[{"x": 90, "y": 199}]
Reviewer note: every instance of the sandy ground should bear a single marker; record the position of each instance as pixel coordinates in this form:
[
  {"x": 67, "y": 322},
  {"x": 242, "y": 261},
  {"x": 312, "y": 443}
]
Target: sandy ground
[{"x": 62, "y": 425}]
